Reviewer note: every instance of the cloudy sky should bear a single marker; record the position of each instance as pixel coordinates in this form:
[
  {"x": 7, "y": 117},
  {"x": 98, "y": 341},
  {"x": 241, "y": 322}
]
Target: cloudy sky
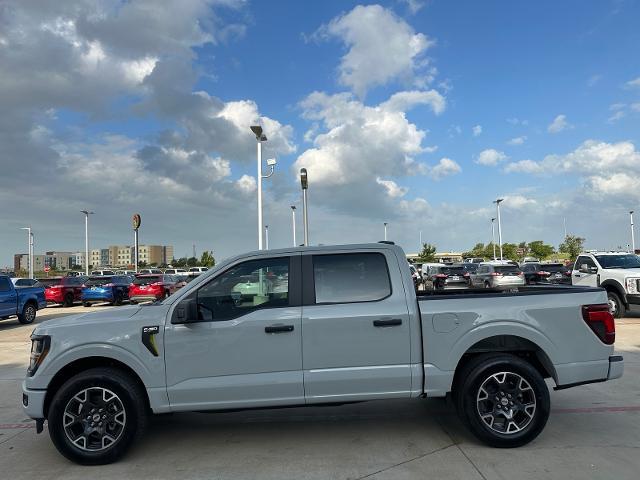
[{"x": 416, "y": 113}]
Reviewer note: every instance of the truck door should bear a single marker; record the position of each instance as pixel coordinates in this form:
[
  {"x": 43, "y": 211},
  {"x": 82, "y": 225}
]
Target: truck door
[
  {"x": 583, "y": 277},
  {"x": 245, "y": 350},
  {"x": 355, "y": 327},
  {"x": 8, "y": 298}
]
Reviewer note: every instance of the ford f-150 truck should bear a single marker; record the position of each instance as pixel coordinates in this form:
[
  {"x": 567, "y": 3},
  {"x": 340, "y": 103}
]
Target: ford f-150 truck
[
  {"x": 319, "y": 325},
  {"x": 23, "y": 302}
]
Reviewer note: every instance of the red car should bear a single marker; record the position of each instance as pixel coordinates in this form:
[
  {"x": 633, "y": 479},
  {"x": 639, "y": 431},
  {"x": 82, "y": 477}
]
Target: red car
[
  {"x": 63, "y": 291},
  {"x": 152, "y": 287}
]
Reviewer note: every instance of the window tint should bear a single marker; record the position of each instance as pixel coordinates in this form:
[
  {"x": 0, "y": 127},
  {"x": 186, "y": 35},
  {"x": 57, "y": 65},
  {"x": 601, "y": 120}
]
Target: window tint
[
  {"x": 146, "y": 280},
  {"x": 507, "y": 269},
  {"x": 453, "y": 270},
  {"x": 619, "y": 261},
  {"x": 245, "y": 287},
  {"x": 553, "y": 268},
  {"x": 4, "y": 284},
  {"x": 97, "y": 281},
  {"x": 352, "y": 277},
  {"x": 583, "y": 260}
]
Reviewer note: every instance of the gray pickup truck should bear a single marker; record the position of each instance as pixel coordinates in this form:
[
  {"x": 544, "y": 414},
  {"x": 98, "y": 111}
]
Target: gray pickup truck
[
  {"x": 22, "y": 302},
  {"x": 309, "y": 326}
]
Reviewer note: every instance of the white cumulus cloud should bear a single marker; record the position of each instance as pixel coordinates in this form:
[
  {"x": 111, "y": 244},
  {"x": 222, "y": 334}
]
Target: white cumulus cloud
[
  {"x": 392, "y": 188},
  {"x": 444, "y": 168},
  {"x": 491, "y": 157},
  {"x": 559, "y": 124},
  {"x": 517, "y": 140},
  {"x": 477, "y": 130}
]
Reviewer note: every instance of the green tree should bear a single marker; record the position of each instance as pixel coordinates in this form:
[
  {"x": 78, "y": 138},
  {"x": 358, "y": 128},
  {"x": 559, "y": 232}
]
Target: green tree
[
  {"x": 541, "y": 250},
  {"x": 572, "y": 245},
  {"x": 142, "y": 264},
  {"x": 192, "y": 262},
  {"x": 207, "y": 259},
  {"x": 509, "y": 251},
  {"x": 180, "y": 262},
  {"x": 428, "y": 253},
  {"x": 476, "y": 251}
]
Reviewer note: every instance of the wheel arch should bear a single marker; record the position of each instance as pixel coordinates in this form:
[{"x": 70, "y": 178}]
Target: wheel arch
[
  {"x": 519, "y": 346},
  {"x": 616, "y": 287},
  {"x": 82, "y": 364}
]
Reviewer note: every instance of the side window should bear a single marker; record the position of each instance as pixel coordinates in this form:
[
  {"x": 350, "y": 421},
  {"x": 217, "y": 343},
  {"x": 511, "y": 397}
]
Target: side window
[
  {"x": 582, "y": 260},
  {"x": 4, "y": 284},
  {"x": 351, "y": 277},
  {"x": 248, "y": 286}
]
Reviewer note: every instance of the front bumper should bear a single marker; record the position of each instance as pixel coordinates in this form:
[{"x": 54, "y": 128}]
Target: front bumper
[
  {"x": 633, "y": 299},
  {"x": 33, "y": 402}
]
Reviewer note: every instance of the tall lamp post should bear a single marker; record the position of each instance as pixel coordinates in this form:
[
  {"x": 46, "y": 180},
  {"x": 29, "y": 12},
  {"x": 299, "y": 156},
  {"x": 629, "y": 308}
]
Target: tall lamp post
[
  {"x": 293, "y": 223},
  {"x": 498, "y": 202},
  {"x": 86, "y": 240},
  {"x": 385, "y": 231},
  {"x": 633, "y": 237},
  {"x": 304, "y": 182},
  {"x": 261, "y": 137},
  {"x": 29, "y": 250},
  {"x": 266, "y": 236},
  {"x": 493, "y": 236}
]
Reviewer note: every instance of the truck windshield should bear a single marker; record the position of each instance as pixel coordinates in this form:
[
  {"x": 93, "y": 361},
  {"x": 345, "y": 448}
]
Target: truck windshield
[{"x": 619, "y": 261}]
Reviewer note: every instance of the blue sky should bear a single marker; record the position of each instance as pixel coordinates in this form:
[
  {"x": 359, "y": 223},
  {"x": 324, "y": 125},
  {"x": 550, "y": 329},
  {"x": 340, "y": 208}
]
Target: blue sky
[{"x": 415, "y": 113}]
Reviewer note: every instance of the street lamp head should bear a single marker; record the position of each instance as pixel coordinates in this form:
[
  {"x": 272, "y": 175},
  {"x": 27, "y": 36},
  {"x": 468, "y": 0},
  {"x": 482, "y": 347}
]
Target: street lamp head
[
  {"x": 271, "y": 162},
  {"x": 498, "y": 201},
  {"x": 257, "y": 131},
  {"x": 304, "y": 181},
  {"x": 493, "y": 220},
  {"x": 293, "y": 207},
  {"x": 87, "y": 212}
]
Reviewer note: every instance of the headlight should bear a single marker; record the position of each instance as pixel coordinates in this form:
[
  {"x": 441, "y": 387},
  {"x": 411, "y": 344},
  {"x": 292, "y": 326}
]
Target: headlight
[
  {"x": 39, "y": 348},
  {"x": 632, "y": 285}
]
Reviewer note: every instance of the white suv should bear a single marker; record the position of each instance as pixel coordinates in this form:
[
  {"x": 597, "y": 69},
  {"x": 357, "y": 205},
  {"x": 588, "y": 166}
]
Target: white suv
[{"x": 617, "y": 272}]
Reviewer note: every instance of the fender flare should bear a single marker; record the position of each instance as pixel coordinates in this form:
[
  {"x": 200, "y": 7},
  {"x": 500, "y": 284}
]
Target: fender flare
[{"x": 611, "y": 284}]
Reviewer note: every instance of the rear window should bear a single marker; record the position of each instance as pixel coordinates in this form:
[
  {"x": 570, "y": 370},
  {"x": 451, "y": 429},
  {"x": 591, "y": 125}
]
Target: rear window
[
  {"x": 50, "y": 282},
  {"x": 351, "y": 277},
  {"x": 453, "y": 270},
  {"x": 506, "y": 269},
  {"x": 147, "y": 280},
  {"x": 553, "y": 268},
  {"x": 97, "y": 281}
]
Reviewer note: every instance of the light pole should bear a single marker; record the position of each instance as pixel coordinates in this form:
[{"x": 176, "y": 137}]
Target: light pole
[
  {"x": 266, "y": 236},
  {"x": 293, "y": 223},
  {"x": 261, "y": 137},
  {"x": 304, "y": 182},
  {"x": 29, "y": 250},
  {"x": 385, "y": 231},
  {"x": 498, "y": 202},
  {"x": 86, "y": 240},
  {"x": 493, "y": 236},
  {"x": 633, "y": 237}
]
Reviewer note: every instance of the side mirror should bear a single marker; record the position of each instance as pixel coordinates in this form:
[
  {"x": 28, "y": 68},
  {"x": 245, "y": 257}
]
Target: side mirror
[{"x": 185, "y": 312}]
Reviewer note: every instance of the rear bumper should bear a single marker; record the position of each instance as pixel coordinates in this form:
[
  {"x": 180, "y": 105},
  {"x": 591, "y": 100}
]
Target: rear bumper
[
  {"x": 144, "y": 298},
  {"x": 615, "y": 370},
  {"x": 616, "y": 367}
]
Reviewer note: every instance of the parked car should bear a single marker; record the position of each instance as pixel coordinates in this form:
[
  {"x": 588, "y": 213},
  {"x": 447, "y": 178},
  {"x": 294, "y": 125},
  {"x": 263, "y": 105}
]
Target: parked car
[
  {"x": 617, "y": 272},
  {"x": 446, "y": 277},
  {"x": 176, "y": 271},
  {"x": 25, "y": 282},
  {"x": 195, "y": 271},
  {"x": 530, "y": 260},
  {"x": 125, "y": 272},
  {"x": 21, "y": 301},
  {"x": 498, "y": 276},
  {"x": 554, "y": 273},
  {"x": 415, "y": 275},
  {"x": 102, "y": 288},
  {"x": 473, "y": 260},
  {"x": 63, "y": 291},
  {"x": 74, "y": 274},
  {"x": 154, "y": 271},
  {"x": 363, "y": 336},
  {"x": 152, "y": 287},
  {"x": 102, "y": 272}
]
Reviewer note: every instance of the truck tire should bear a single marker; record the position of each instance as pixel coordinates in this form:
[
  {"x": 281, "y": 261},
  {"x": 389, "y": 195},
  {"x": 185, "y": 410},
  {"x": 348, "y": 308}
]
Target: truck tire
[
  {"x": 68, "y": 300},
  {"x": 97, "y": 415},
  {"x": 28, "y": 314},
  {"x": 118, "y": 299},
  {"x": 616, "y": 307},
  {"x": 503, "y": 400}
]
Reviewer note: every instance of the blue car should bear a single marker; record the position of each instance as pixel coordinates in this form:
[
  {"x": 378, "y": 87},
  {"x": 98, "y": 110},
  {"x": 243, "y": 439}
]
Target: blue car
[{"x": 113, "y": 289}]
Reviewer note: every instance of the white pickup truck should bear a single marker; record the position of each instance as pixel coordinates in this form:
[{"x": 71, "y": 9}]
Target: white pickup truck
[{"x": 318, "y": 325}]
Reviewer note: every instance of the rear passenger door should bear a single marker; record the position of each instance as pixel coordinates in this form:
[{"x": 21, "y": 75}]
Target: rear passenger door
[
  {"x": 355, "y": 327},
  {"x": 8, "y": 298}
]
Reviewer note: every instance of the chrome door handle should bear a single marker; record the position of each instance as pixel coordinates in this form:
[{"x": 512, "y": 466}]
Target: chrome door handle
[{"x": 278, "y": 329}]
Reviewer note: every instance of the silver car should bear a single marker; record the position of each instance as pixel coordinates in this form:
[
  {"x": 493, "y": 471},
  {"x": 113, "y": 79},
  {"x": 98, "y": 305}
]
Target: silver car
[{"x": 498, "y": 276}]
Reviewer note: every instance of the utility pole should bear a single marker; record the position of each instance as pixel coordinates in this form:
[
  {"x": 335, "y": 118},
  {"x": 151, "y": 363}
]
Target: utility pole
[
  {"x": 385, "y": 231},
  {"x": 293, "y": 223},
  {"x": 633, "y": 238},
  {"x": 304, "y": 182},
  {"x": 493, "y": 236},
  {"x": 498, "y": 202},
  {"x": 266, "y": 236}
]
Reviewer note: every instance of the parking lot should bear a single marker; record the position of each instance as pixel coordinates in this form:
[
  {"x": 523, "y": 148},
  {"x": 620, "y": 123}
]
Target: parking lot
[{"x": 592, "y": 433}]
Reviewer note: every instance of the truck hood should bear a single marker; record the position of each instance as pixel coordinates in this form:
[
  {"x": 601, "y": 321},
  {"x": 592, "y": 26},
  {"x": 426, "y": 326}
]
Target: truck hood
[{"x": 106, "y": 316}]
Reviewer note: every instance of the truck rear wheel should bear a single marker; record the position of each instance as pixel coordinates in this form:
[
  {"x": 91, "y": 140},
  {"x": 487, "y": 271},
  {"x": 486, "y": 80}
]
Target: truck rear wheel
[
  {"x": 503, "y": 400},
  {"x": 68, "y": 300},
  {"x": 96, "y": 416},
  {"x": 28, "y": 314}
]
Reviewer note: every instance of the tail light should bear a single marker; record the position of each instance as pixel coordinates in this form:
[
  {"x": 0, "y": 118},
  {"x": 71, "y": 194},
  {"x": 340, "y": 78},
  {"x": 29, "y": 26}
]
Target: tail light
[
  {"x": 600, "y": 321},
  {"x": 441, "y": 275},
  {"x": 567, "y": 274},
  {"x": 108, "y": 285},
  {"x": 466, "y": 275},
  {"x": 520, "y": 274},
  {"x": 542, "y": 273},
  {"x": 496, "y": 274}
]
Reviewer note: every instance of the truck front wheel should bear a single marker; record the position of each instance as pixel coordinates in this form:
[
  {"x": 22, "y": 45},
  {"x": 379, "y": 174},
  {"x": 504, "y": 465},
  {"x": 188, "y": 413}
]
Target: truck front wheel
[
  {"x": 503, "y": 400},
  {"x": 28, "y": 314},
  {"x": 616, "y": 307},
  {"x": 97, "y": 415}
]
